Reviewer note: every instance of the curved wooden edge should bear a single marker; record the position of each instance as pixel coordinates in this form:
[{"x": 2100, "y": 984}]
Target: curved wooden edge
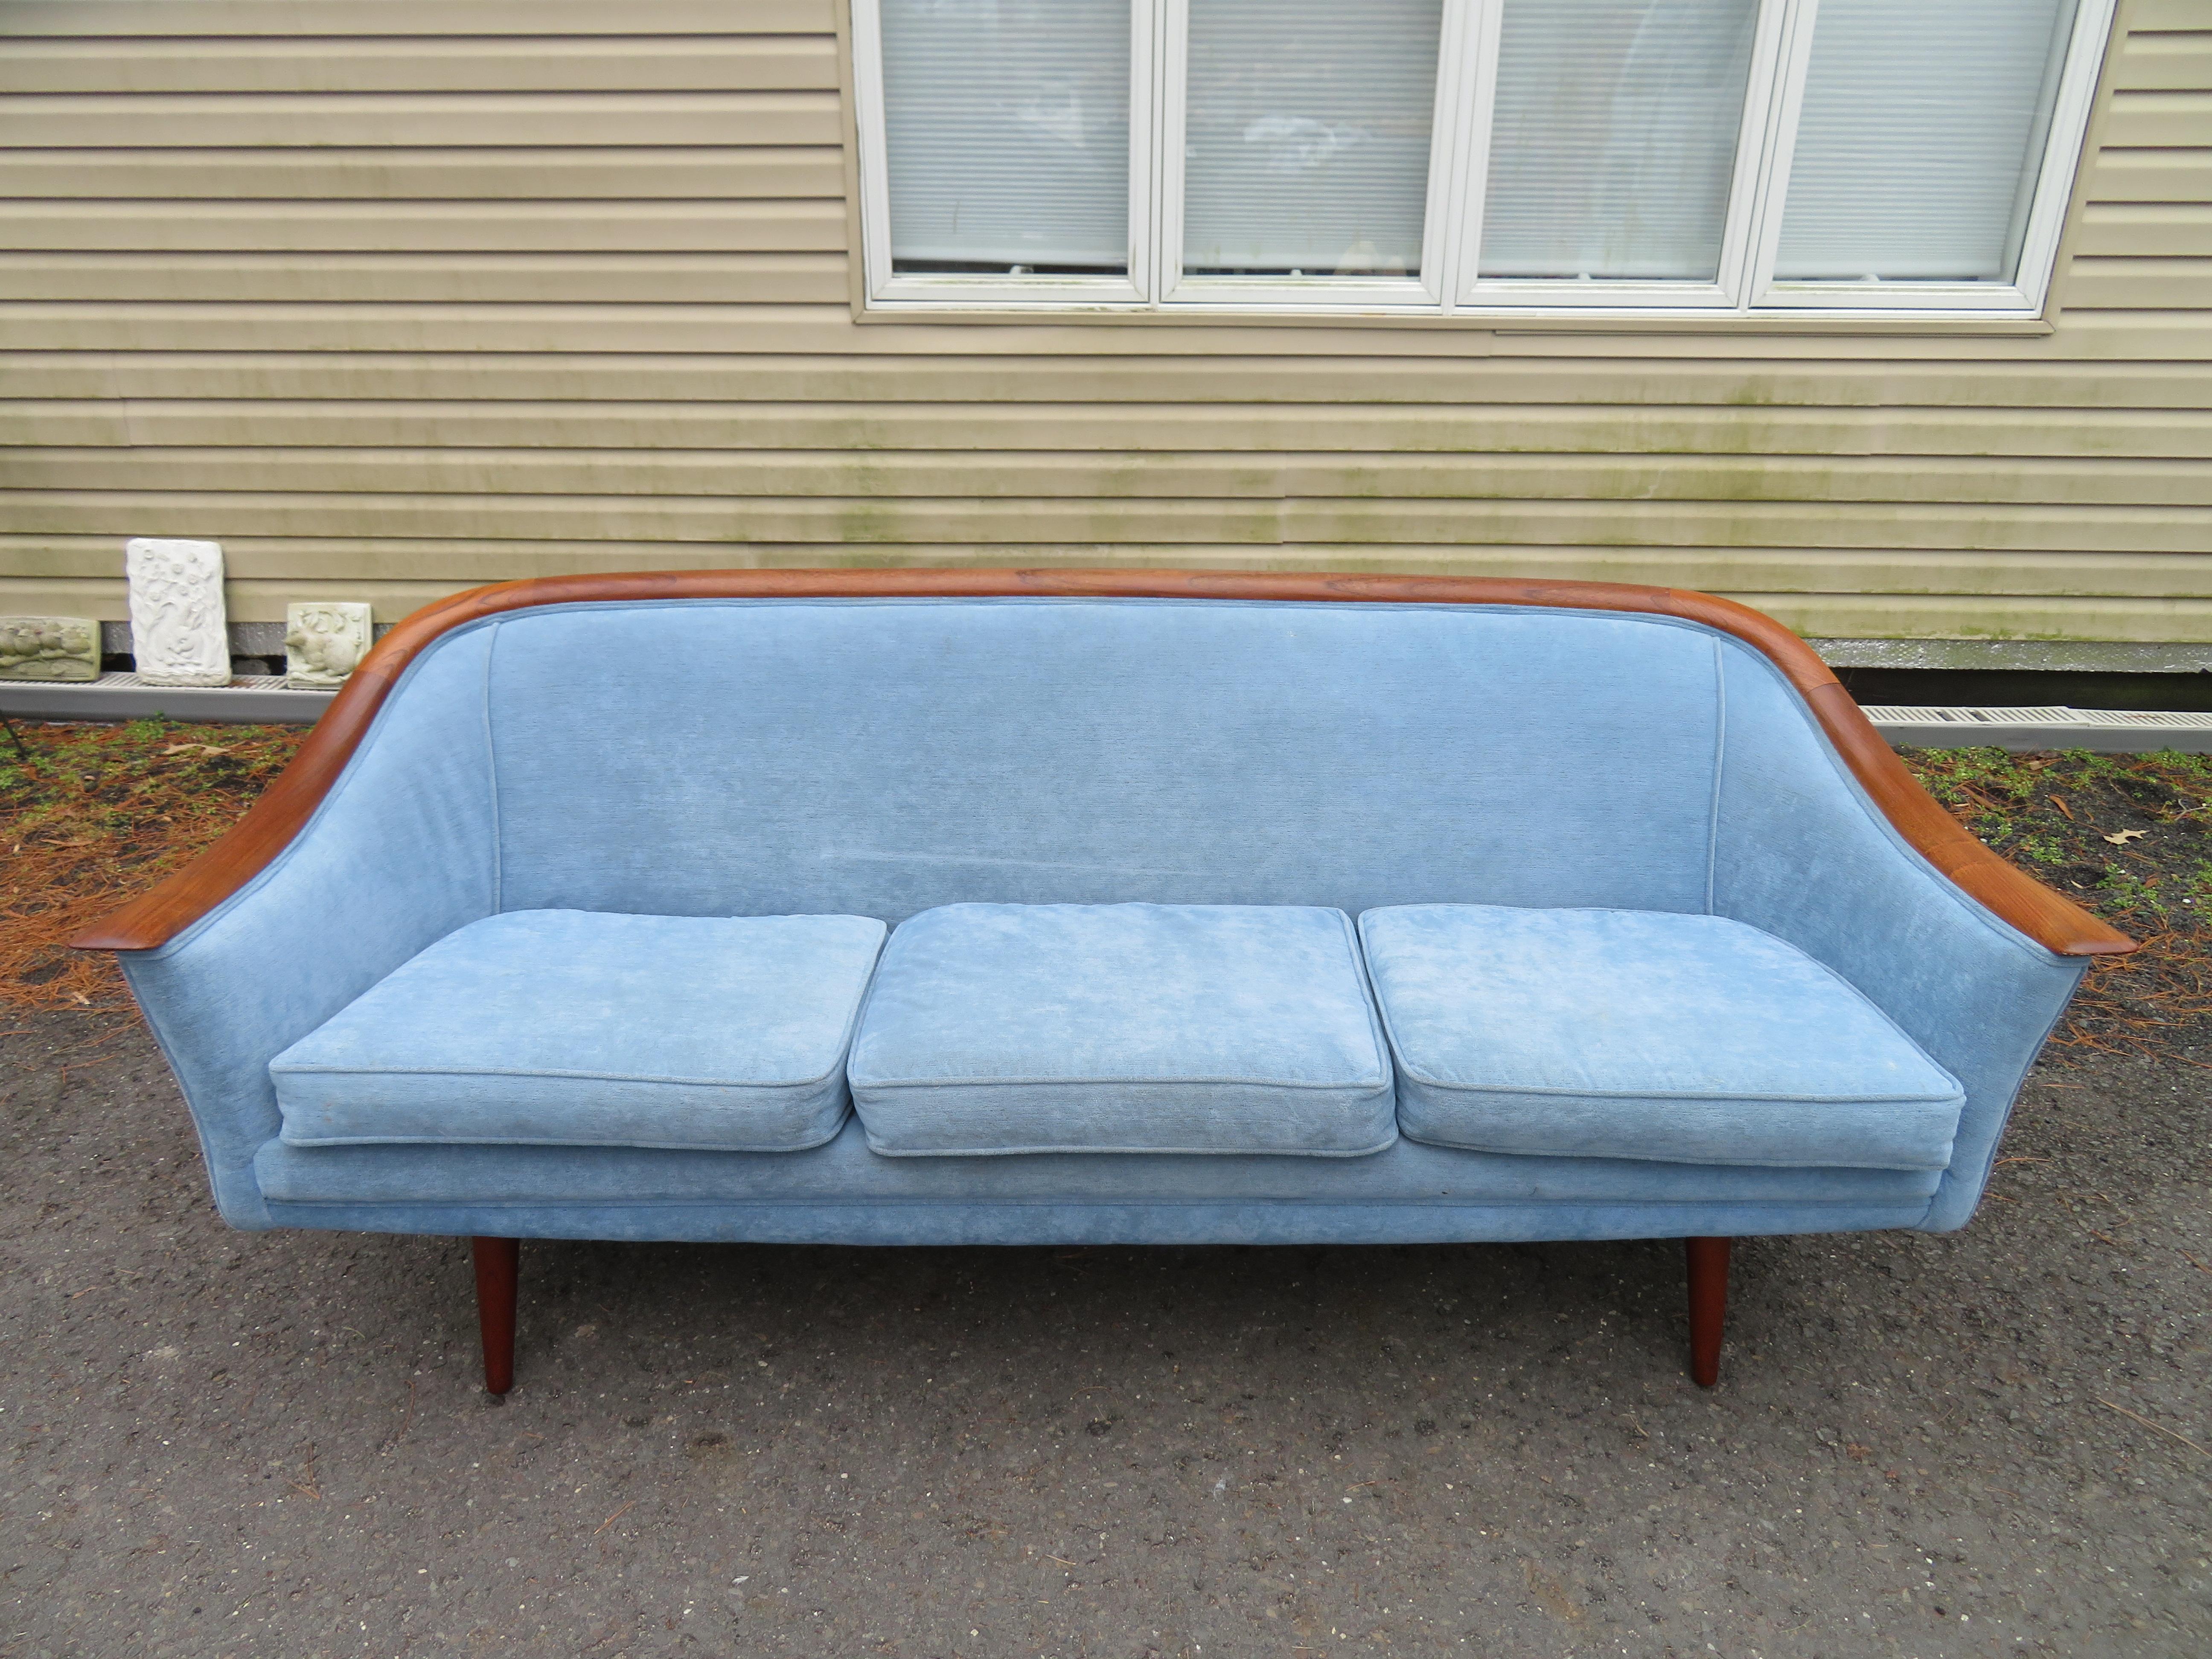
[
  {"x": 2045, "y": 916},
  {"x": 2050, "y": 918}
]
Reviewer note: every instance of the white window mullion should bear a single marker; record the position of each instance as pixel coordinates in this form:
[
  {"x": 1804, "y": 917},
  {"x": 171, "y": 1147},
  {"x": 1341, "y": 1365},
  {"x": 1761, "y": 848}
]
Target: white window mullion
[
  {"x": 1786, "y": 90},
  {"x": 1789, "y": 101},
  {"x": 1144, "y": 147},
  {"x": 1754, "y": 143},
  {"x": 1173, "y": 58},
  {"x": 1163, "y": 184},
  {"x": 1449, "y": 194},
  {"x": 1478, "y": 74}
]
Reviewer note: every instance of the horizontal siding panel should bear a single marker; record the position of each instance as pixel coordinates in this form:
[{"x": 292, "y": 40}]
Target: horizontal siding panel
[
  {"x": 2158, "y": 119},
  {"x": 2148, "y": 229},
  {"x": 2147, "y": 284},
  {"x": 474, "y": 561},
  {"x": 1015, "y": 524},
  {"x": 2089, "y": 335},
  {"x": 244, "y": 601},
  {"x": 2165, "y": 62},
  {"x": 1846, "y": 612},
  {"x": 2151, "y": 175},
  {"x": 1892, "y": 616},
  {"x": 121, "y": 19},
  {"x": 1728, "y": 430},
  {"x": 1079, "y": 478},
  {"x": 463, "y": 562},
  {"x": 77, "y": 422},
  {"x": 1830, "y": 616},
  {"x": 158, "y": 121},
  {"x": 1194, "y": 382},
  {"x": 830, "y": 331},
  {"x": 453, "y": 278},
  {"x": 510, "y": 517},
  {"x": 717, "y": 62},
  {"x": 1936, "y": 529},
  {"x": 369, "y": 174},
  {"x": 2166, "y": 16},
  {"x": 774, "y": 227}
]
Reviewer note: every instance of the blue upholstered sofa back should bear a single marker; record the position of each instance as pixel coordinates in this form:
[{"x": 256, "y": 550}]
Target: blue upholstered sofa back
[{"x": 878, "y": 757}]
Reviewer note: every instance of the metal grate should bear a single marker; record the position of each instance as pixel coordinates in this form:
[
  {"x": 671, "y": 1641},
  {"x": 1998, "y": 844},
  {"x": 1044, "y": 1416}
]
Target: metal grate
[
  {"x": 238, "y": 683},
  {"x": 2119, "y": 730}
]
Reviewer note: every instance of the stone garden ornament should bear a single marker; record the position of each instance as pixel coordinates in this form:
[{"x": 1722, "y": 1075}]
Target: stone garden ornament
[
  {"x": 324, "y": 640},
  {"x": 178, "y": 629},
  {"x": 49, "y": 648}
]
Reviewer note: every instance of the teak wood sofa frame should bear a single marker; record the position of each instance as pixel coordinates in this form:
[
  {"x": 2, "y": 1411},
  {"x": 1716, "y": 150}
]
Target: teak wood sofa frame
[{"x": 2043, "y": 915}]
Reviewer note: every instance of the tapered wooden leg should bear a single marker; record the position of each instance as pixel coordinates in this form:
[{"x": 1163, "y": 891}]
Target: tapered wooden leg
[
  {"x": 497, "y": 1261},
  {"x": 1709, "y": 1264}
]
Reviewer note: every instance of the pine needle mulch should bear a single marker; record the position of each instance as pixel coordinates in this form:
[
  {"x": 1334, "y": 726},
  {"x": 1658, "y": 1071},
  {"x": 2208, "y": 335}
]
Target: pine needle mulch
[
  {"x": 2128, "y": 836},
  {"x": 95, "y": 815}
]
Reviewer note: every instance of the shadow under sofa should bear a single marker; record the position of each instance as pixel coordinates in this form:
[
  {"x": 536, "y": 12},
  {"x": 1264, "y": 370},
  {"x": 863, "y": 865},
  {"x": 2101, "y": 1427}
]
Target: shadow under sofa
[{"x": 1647, "y": 932}]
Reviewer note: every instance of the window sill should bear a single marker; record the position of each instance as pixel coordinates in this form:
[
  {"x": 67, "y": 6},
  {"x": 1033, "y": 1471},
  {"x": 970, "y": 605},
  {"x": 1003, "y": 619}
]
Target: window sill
[{"x": 1568, "y": 323}]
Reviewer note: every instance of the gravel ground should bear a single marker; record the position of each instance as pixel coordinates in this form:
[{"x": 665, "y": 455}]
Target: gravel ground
[{"x": 1995, "y": 1443}]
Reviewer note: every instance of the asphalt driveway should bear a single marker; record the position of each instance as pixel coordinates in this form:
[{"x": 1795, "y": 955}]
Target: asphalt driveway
[{"x": 1991, "y": 1444}]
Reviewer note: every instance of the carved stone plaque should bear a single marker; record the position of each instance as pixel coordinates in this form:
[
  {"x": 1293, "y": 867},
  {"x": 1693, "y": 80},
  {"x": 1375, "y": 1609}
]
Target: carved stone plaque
[
  {"x": 49, "y": 648},
  {"x": 324, "y": 640},
  {"x": 178, "y": 629}
]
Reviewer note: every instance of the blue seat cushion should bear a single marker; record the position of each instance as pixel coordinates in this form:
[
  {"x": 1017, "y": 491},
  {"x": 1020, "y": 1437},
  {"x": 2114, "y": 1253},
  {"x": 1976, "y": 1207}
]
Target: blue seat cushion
[
  {"x": 1636, "y": 1034},
  {"x": 1123, "y": 1028},
  {"x": 575, "y": 1028}
]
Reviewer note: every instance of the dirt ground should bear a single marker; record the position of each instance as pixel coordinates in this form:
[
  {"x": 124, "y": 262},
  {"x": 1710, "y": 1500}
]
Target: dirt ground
[{"x": 1994, "y": 1443}]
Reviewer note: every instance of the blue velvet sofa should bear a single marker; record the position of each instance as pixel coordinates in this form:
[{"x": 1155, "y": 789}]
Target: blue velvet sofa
[{"x": 960, "y": 908}]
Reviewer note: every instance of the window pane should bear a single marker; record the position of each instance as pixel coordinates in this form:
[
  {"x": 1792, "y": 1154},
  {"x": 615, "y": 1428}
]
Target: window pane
[
  {"x": 1614, "y": 140},
  {"x": 1306, "y": 140},
  {"x": 1921, "y": 139},
  {"x": 1007, "y": 122}
]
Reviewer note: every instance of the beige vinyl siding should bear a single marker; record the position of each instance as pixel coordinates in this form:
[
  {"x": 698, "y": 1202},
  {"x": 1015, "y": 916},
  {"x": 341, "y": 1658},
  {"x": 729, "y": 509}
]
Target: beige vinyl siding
[{"x": 395, "y": 299}]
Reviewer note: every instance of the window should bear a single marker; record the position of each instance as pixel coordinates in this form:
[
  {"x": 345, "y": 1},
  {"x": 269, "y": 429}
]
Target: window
[{"x": 1495, "y": 158}]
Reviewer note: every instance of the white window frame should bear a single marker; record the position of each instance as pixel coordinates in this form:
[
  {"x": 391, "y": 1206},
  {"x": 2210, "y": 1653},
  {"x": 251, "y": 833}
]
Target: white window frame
[
  {"x": 1573, "y": 296},
  {"x": 2047, "y": 214},
  {"x": 1449, "y": 283},
  {"x": 1007, "y": 293},
  {"x": 1423, "y": 292}
]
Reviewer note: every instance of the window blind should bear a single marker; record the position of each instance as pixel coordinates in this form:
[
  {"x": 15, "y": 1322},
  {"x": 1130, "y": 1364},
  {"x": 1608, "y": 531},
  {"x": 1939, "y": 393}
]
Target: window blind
[
  {"x": 1921, "y": 137},
  {"x": 1007, "y": 127},
  {"x": 1307, "y": 135},
  {"x": 1613, "y": 142}
]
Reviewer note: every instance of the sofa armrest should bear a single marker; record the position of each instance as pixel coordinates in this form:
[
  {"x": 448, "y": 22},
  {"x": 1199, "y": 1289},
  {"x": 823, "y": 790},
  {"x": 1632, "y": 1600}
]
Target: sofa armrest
[
  {"x": 1974, "y": 959},
  {"x": 396, "y": 853},
  {"x": 2002, "y": 888}
]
